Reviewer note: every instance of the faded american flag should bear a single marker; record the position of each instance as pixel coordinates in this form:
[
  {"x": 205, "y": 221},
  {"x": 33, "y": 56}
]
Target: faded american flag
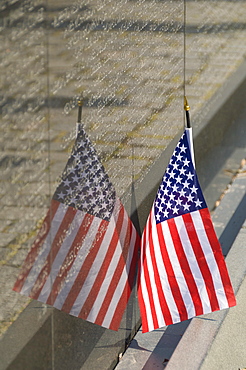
[
  {"x": 84, "y": 258},
  {"x": 182, "y": 270}
]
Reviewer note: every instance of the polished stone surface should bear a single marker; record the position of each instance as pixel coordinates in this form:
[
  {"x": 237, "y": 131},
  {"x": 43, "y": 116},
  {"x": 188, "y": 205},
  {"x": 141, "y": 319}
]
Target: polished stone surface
[{"x": 128, "y": 59}]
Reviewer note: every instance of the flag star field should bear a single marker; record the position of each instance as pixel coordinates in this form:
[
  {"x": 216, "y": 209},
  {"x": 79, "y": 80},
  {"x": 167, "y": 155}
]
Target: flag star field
[
  {"x": 179, "y": 192},
  {"x": 85, "y": 185}
]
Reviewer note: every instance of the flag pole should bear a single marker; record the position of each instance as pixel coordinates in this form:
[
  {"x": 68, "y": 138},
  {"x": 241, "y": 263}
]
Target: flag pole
[
  {"x": 189, "y": 130},
  {"x": 80, "y": 105},
  {"x": 187, "y": 108}
]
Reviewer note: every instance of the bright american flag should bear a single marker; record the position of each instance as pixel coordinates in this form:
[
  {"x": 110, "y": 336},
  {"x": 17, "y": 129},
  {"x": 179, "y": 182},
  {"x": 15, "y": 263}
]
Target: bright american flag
[
  {"x": 84, "y": 258},
  {"x": 182, "y": 270}
]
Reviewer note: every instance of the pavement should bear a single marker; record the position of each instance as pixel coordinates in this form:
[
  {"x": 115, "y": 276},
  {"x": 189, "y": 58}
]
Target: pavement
[{"x": 128, "y": 60}]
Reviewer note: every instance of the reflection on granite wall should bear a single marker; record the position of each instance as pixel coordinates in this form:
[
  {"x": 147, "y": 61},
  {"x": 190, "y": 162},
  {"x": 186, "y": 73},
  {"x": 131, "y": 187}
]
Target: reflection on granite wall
[
  {"x": 124, "y": 58},
  {"x": 129, "y": 60}
]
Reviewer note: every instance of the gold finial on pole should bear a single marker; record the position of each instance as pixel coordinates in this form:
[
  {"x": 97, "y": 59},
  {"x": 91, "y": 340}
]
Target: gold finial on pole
[
  {"x": 80, "y": 104},
  {"x": 186, "y": 105},
  {"x": 187, "y": 108}
]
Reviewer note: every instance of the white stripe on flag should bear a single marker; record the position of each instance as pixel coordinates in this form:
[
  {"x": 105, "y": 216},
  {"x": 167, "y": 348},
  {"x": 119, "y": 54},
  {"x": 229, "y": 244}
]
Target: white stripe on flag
[
  {"x": 209, "y": 255},
  {"x": 143, "y": 278},
  {"x": 190, "y": 141},
  {"x": 179, "y": 276},
  {"x": 191, "y": 258},
  {"x": 104, "y": 287},
  {"x": 157, "y": 306},
  {"x": 61, "y": 255},
  {"x": 146, "y": 300},
  {"x": 88, "y": 284},
  {"x": 113, "y": 306},
  {"x": 71, "y": 277},
  {"x": 44, "y": 250},
  {"x": 163, "y": 276}
]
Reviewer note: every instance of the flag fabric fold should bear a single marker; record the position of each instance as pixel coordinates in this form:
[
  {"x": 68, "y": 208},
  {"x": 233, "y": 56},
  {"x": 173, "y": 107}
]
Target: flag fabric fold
[
  {"x": 182, "y": 272},
  {"x": 84, "y": 258}
]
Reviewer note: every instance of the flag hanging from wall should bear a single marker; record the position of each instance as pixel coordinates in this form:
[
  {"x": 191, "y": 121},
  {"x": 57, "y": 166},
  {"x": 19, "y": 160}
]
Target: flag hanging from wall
[
  {"x": 84, "y": 258},
  {"x": 182, "y": 270}
]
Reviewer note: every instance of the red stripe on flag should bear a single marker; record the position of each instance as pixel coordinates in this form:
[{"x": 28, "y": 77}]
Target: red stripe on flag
[
  {"x": 147, "y": 277},
  {"x": 171, "y": 276},
  {"x": 142, "y": 306},
  {"x": 185, "y": 268},
  {"x": 116, "y": 319},
  {"x": 85, "y": 310},
  {"x": 141, "y": 301},
  {"x": 32, "y": 255},
  {"x": 163, "y": 303},
  {"x": 54, "y": 249},
  {"x": 215, "y": 245},
  {"x": 85, "y": 268},
  {"x": 201, "y": 260},
  {"x": 116, "y": 276},
  {"x": 70, "y": 258}
]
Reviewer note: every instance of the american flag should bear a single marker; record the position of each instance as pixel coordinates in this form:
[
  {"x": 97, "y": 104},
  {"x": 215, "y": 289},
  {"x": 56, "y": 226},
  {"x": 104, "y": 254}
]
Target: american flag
[
  {"x": 84, "y": 258},
  {"x": 182, "y": 270}
]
